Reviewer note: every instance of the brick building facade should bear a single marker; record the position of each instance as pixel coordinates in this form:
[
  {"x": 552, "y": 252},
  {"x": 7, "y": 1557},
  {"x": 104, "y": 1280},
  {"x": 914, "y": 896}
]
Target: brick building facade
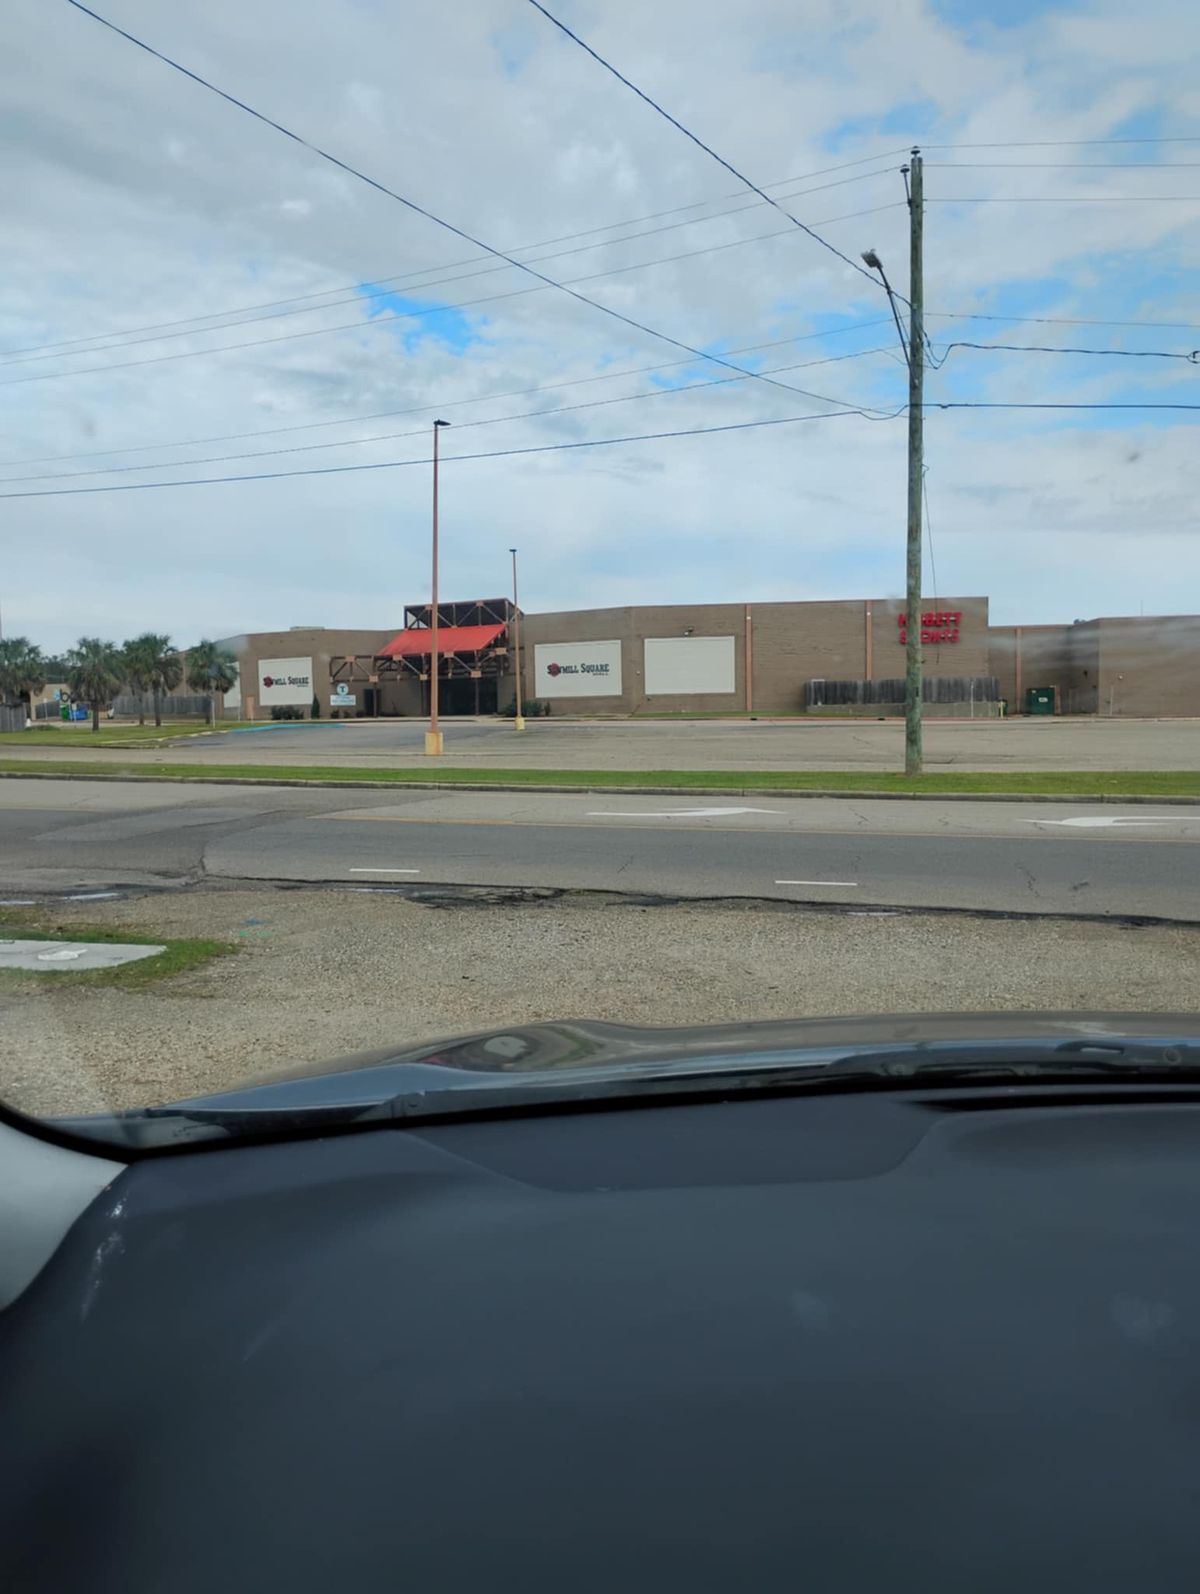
[{"x": 737, "y": 658}]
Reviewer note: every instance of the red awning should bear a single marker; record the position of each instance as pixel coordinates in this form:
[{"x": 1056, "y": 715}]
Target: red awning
[{"x": 451, "y": 639}]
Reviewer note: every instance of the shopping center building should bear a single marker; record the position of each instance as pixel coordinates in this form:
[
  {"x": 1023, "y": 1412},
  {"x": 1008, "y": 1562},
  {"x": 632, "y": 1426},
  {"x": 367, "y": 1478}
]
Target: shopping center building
[{"x": 762, "y": 658}]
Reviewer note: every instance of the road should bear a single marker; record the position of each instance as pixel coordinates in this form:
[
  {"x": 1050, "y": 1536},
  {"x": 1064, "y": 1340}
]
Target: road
[
  {"x": 805, "y": 744},
  {"x": 64, "y": 836}
]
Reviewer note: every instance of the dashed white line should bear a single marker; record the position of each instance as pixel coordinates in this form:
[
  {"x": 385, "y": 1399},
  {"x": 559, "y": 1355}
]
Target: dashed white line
[
  {"x": 385, "y": 871},
  {"x": 816, "y": 882}
]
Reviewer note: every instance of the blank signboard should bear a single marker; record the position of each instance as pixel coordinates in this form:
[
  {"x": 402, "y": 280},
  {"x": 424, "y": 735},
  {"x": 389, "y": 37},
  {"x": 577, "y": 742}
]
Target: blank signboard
[{"x": 679, "y": 666}]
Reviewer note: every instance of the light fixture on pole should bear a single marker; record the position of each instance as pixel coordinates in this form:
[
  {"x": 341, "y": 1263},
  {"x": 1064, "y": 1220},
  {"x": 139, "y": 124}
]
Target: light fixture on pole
[
  {"x": 433, "y": 736},
  {"x": 519, "y": 721}
]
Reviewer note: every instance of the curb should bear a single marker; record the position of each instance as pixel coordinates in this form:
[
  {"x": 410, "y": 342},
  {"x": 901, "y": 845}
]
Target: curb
[{"x": 584, "y": 789}]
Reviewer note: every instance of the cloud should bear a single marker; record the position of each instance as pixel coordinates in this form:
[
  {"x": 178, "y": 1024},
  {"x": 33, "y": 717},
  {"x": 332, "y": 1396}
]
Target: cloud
[{"x": 137, "y": 200}]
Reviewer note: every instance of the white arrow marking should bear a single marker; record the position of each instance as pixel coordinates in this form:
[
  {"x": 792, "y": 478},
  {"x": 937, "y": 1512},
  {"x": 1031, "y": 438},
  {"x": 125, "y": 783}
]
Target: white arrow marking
[
  {"x": 1098, "y": 822},
  {"x": 682, "y": 813}
]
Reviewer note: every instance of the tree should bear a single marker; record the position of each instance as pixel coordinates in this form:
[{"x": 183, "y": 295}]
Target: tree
[
  {"x": 22, "y": 671},
  {"x": 136, "y": 664},
  {"x": 152, "y": 665},
  {"x": 212, "y": 670},
  {"x": 95, "y": 670}
]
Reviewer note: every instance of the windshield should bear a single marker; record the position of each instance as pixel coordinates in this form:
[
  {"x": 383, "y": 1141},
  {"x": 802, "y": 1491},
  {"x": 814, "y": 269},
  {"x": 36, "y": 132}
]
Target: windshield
[{"x": 533, "y": 523}]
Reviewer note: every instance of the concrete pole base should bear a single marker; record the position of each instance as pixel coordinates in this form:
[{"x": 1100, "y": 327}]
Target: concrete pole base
[
  {"x": 519, "y": 723},
  {"x": 434, "y": 743}
]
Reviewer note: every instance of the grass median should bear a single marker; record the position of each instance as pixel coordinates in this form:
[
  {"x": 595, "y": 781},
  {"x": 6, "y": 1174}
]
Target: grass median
[
  {"x": 79, "y": 735},
  {"x": 179, "y": 956},
  {"x": 1045, "y": 783}
]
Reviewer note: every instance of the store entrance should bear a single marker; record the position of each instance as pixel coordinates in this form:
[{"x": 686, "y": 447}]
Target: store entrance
[{"x": 459, "y": 696}]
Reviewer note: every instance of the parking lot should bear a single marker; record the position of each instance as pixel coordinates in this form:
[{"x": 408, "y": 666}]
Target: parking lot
[{"x": 813, "y": 744}]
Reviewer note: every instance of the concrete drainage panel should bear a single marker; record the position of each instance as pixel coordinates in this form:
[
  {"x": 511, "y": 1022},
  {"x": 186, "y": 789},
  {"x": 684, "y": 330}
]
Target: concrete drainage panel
[{"x": 71, "y": 957}]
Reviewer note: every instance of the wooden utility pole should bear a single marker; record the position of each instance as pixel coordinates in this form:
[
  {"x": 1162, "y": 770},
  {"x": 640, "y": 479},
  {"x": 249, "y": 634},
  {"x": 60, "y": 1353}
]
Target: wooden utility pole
[
  {"x": 914, "y": 757},
  {"x": 519, "y": 721}
]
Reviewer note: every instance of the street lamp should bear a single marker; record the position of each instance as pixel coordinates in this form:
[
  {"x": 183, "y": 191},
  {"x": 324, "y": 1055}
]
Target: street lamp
[
  {"x": 519, "y": 721},
  {"x": 871, "y": 258},
  {"x": 433, "y": 736}
]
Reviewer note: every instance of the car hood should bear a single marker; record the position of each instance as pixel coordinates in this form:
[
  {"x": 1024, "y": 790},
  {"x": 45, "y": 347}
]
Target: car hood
[{"x": 503, "y": 1062}]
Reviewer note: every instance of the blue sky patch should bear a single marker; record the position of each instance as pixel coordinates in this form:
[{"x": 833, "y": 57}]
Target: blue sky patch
[
  {"x": 443, "y": 323},
  {"x": 970, "y": 15}
]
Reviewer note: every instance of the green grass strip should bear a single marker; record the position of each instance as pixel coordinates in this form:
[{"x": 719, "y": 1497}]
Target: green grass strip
[
  {"x": 179, "y": 956},
  {"x": 84, "y": 737},
  {"x": 1044, "y": 783}
]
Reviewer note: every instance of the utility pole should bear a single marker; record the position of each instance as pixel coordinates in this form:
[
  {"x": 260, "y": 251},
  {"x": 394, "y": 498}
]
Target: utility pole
[
  {"x": 519, "y": 721},
  {"x": 914, "y": 757},
  {"x": 433, "y": 736}
]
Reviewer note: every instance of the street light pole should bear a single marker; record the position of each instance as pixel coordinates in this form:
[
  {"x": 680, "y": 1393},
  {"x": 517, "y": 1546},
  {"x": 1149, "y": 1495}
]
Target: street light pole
[
  {"x": 519, "y": 721},
  {"x": 914, "y": 355},
  {"x": 433, "y": 736}
]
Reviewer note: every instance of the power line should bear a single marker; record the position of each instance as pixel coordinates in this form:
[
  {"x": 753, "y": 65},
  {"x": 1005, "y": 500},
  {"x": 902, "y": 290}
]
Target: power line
[
  {"x": 1066, "y": 143},
  {"x": 434, "y": 310},
  {"x": 446, "y": 459},
  {"x": 366, "y": 292},
  {"x": 1064, "y": 166},
  {"x": 441, "y": 404},
  {"x": 1052, "y": 199},
  {"x": 421, "y": 431},
  {"x": 975, "y": 404},
  {"x": 556, "y": 448},
  {"x": 1192, "y": 358},
  {"x": 606, "y": 376},
  {"x": 1059, "y": 321},
  {"x": 699, "y": 142},
  {"x": 412, "y": 205}
]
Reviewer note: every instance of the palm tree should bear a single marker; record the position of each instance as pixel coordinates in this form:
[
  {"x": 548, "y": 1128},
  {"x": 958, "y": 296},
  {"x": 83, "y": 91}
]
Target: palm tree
[
  {"x": 167, "y": 671},
  {"x": 151, "y": 665},
  {"x": 213, "y": 670},
  {"x": 94, "y": 672},
  {"x": 136, "y": 663},
  {"x": 22, "y": 671}
]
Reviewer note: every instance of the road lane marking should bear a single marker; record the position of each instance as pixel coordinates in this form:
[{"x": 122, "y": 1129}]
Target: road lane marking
[
  {"x": 677, "y": 813},
  {"x": 1097, "y": 822},
  {"x": 482, "y": 823},
  {"x": 385, "y": 871},
  {"x": 816, "y": 882}
]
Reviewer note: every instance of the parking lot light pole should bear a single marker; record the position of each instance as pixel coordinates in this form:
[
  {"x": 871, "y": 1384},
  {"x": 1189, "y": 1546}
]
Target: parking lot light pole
[
  {"x": 433, "y": 736},
  {"x": 519, "y": 721}
]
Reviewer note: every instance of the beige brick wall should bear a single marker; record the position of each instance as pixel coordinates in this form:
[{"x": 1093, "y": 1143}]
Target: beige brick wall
[
  {"x": 1149, "y": 666},
  {"x": 792, "y": 644},
  {"x": 312, "y": 642},
  {"x": 1040, "y": 655}
]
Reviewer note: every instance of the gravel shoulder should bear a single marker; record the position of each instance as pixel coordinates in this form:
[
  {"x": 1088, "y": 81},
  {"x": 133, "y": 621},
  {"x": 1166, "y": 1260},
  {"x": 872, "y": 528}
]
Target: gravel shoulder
[{"x": 314, "y": 978}]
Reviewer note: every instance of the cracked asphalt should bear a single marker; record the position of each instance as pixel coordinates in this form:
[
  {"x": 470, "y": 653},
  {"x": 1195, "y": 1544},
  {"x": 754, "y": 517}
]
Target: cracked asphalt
[
  {"x": 1104, "y": 859},
  {"x": 363, "y": 919}
]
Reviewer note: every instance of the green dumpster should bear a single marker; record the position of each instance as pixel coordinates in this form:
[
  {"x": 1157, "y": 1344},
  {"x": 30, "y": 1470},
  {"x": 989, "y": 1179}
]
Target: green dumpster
[
  {"x": 64, "y": 712},
  {"x": 1039, "y": 700}
]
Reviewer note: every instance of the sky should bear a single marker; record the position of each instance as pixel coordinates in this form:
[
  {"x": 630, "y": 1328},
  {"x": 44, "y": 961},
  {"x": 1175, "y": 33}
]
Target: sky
[{"x": 188, "y": 294}]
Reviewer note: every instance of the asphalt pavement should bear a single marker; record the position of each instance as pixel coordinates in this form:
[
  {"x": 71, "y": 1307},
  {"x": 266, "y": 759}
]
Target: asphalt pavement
[
  {"x": 1052, "y": 743},
  {"x": 81, "y": 836}
]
